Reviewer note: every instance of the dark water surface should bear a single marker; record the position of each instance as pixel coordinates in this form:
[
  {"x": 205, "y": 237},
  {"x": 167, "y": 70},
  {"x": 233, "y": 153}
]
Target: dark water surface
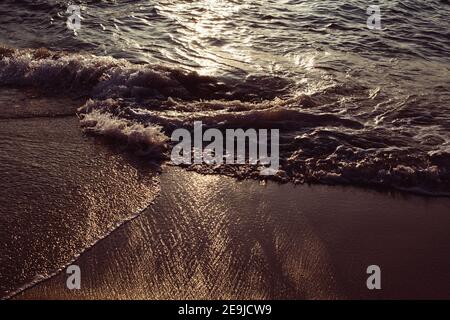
[{"x": 353, "y": 105}]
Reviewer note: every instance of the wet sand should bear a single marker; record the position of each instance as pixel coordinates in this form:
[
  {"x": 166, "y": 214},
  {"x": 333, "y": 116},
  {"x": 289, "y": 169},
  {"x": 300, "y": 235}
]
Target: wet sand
[
  {"x": 210, "y": 237},
  {"x": 205, "y": 237},
  {"x": 60, "y": 192}
]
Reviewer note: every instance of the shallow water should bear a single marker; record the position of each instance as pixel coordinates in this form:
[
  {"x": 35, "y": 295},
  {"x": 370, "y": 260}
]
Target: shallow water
[
  {"x": 353, "y": 105},
  {"x": 210, "y": 237},
  {"x": 60, "y": 192}
]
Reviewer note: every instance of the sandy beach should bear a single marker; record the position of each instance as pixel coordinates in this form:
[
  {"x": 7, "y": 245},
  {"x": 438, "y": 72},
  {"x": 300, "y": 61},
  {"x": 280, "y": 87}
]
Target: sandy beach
[
  {"x": 211, "y": 237},
  {"x": 60, "y": 191}
]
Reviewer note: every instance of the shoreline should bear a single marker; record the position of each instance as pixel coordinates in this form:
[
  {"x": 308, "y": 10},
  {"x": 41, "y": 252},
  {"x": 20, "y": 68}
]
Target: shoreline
[
  {"x": 300, "y": 242},
  {"x": 205, "y": 236},
  {"x": 60, "y": 193}
]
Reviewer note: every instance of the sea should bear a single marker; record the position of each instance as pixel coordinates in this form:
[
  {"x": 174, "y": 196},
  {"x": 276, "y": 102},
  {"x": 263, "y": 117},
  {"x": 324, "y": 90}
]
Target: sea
[
  {"x": 92, "y": 90},
  {"x": 354, "y": 104}
]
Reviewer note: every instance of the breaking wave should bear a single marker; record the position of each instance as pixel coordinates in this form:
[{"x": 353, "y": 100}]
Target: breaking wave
[
  {"x": 343, "y": 132},
  {"x": 134, "y": 135}
]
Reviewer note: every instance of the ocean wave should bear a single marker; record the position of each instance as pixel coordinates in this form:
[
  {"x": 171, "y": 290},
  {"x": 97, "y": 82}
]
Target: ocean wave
[
  {"x": 100, "y": 77},
  {"x": 278, "y": 114},
  {"x": 147, "y": 139},
  {"x": 342, "y": 133}
]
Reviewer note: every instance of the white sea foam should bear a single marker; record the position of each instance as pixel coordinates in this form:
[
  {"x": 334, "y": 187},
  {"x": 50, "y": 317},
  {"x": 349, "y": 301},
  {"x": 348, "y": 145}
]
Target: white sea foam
[
  {"x": 340, "y": 133},
  {"x": 135, "y": 135}
]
